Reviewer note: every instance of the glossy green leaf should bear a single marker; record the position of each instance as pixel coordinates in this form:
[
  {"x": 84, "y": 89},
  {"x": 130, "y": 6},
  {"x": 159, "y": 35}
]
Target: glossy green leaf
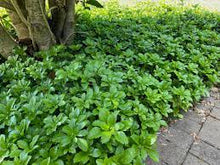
[
  {"x": 83, "y": 144},
  {"x": 121, "y": 137}
]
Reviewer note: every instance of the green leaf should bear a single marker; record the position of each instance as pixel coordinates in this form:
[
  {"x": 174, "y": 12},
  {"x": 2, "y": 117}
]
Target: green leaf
[
  {"x": 96, "y": 153},
  {"x": 101, "y": 124},
  {"x": 128, "y": 156},
  {"x": 94, "y": 3},
  {"x": 45, "y": 161},
  {"x": 103, "y": 115},
  {"x": 121, "y": 137},
  {"x": 138, "y": 161},
  {"x": 59, "y": 162},
  {"x": 23, "y": 144},
  {"x": 163, "y": 123},
  {"x": 24, "y": 157},
  {"x": 89, "y": 94},
  {"x": 8, "y": 163},
  {"x": 65, "y": 140},
  {"x": 153, "y": 155},
  {"x": 106, "y": 136},
  {"x": 2, "y": 142},
  {"x": 94, "y": 133},
  {"x": 151, "y": 139},
  {"x": 81, "y": 157},
  {"x": 111, "y": 120},
  {"x": 67, "y": 130},
  {"x": 61, "y": 74},
  {"x": 34, "y": 141},
  {"x": 15, "y": 152},
  {"x": 82, "y": 143}
]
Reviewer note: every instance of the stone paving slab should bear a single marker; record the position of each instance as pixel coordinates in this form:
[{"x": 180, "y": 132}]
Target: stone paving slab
[
  {"x": 194, "y": 140},
  {"x": 206, "y": 152},
  {"x": 173, "y": 146},
  {"x": 216, "y": 113},
  {"x": 166, "y": 149},
  {"x": 194, "y": 117},
  {"x": 192, "y": 160},
  {"x": 170, "y": 148},
  {"x": 211, "y": 132},
  {"x": 217, "y": 104},
  {"x": 178, "y": 137},
  {"x": 190, "y": 126},
  {"x": 205, "y": 107}
]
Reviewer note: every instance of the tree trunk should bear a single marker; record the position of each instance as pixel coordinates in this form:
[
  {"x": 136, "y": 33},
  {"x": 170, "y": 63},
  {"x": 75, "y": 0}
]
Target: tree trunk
[
  {"x": 42, "y": 36},
  {"x": 6, "y": 43},
  {"x": 31, "y": 23},
  {"x": 6, "y": 5},
  {"x": 63, "y": 20},
  {"x": 68, "y": 32},
  {"x": 58, "y": 17}
]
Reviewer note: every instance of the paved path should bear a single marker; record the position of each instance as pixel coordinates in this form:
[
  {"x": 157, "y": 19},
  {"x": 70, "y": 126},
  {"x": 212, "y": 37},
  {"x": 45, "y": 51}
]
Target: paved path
[
  {"x": 209, "y": 4},
  {"x": 194, "y": 140}
]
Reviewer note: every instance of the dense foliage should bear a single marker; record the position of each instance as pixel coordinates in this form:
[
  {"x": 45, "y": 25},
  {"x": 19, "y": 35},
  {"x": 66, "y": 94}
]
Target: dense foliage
[{"x": 103, "y": 99}]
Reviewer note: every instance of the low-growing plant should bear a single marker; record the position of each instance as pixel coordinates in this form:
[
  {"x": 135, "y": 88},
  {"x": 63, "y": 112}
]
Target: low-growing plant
[{"x": 102, "y": 100}]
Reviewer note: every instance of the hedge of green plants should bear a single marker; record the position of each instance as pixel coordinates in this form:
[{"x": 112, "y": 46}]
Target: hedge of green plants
[{"x": 103, "y": 99}]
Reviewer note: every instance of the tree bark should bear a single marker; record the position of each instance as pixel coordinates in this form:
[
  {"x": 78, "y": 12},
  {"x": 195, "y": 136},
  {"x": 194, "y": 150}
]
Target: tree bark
[
  {"x": 20, "y": 28},
  {"x": 58, "y": 17},
  {"x": 6, "y": 43},
  {"x": 6, "y": 5},
  {"x": 19, "y": 21},
  {"x": 41, "y": 33},
  {"x": 68, "y": 30},
  {"x": 63, "y": 19},
  {"x": 29, "y": 18}
]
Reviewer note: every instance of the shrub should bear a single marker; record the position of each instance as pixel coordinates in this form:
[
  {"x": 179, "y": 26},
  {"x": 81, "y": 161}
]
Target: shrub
[{"x": 103, "y": 99}]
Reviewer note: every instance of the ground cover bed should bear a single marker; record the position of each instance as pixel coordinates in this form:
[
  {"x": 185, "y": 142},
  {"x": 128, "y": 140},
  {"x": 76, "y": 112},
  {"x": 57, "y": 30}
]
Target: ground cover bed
[{"x": 103, "y": 99}]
